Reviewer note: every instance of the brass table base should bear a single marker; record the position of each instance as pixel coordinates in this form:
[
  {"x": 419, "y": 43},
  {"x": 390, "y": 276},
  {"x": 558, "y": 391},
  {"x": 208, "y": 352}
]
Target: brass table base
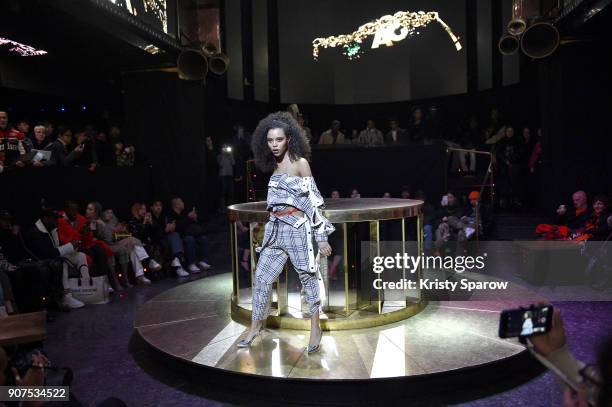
[{"x": 365, "y": 318}]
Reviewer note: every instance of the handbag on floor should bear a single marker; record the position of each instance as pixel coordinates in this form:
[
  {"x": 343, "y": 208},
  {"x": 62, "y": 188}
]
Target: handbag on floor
[{"x": 90, "y": 290}]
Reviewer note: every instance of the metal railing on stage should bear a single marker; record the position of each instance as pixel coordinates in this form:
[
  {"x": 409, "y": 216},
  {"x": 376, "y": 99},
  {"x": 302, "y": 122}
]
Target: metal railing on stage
[{"x": 488, "y": 180}]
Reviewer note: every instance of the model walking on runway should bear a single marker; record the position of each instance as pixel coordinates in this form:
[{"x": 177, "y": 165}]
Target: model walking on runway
[{"x": 294, "y": 202}]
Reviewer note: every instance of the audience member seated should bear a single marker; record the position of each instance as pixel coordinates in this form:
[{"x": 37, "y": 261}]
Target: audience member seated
[
  {"x": 44, "y": 242},
  {"x": 597, "y": 227},
  {"x": 333, "y": 135},
  {"x": 396, "y": 135},
  {"x": 12, "y": 148},
  {"x": 449, "y": 225},
  {"x": 39, "y": 142},
  {"x": 30, "y": 279},
  {"x": 88, "y": 158},
  {"x": 24, "y": 127},
  {"x": 74, "y": 226},
  {"x": 164, "y": 233},
  {"x": 126, "y": 249},
  {"x": 140, "y": 226},
  {"x": 429, "y": 213},
  {"x": 405, "y": 193},
  {"x": 49, "y": 131},
  {"x": 7, "y": 299},
  {"x": 10, "y": 239},
  {"x": 124, "y": 156},
  {"x": 192, "y": 233},
  {"x": 335, "y": 194},
  {"x": 61, "y": 155},
  {"x": 355, "y": 193},
  {"x": 124, "y": 153},
  {"x": 417, "y": 130},
  {"x": 569, "y": 223},
  {"x": 371, "y": 136},
  {"x": 476, "y": 215}
]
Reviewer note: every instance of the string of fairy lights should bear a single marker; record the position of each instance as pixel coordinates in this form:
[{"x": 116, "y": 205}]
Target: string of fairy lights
[
  {"x": 22, "y": 49},
  {"x": 385, "y": 29}
]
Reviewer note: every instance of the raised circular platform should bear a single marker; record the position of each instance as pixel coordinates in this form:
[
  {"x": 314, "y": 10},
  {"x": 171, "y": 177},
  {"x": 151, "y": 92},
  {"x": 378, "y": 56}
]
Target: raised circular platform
[
  {"x": 339, "y": 210},
  {"x": 453, "y": 340}
]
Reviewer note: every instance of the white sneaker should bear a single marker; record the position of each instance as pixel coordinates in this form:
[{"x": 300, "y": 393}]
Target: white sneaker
[
  {"x": 154, "y": 266},
  {"x": 111, "y": 289},
  {"x": 469, "y": 232},
  {"x": 204, "y": 265},
  {"x": 71, "y": 302},
  {"x": 180, "y": 271},
  {"x": 176, "y": 262},
  {"x": 143, "y": 280},
  {"x": 192, "y": 268}
]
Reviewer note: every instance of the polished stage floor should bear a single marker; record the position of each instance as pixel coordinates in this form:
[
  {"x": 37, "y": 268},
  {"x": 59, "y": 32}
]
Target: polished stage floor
[{"x": 192, "y": 323}]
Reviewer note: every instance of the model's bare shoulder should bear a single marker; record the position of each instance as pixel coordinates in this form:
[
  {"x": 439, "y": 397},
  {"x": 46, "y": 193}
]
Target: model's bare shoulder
[{"x": 304, "y": 167}]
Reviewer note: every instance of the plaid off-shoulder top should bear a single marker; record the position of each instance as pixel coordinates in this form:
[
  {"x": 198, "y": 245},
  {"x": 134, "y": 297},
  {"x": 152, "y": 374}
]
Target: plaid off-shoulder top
[{"x": 301, "y": 193}]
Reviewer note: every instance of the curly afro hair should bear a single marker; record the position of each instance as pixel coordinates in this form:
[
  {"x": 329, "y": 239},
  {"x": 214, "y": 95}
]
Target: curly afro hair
[{"x": 299, "y": 146}]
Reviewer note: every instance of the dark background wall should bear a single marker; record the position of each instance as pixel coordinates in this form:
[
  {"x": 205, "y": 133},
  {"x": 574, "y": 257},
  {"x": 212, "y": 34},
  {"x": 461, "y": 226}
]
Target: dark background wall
[
  {"x": 574, "y": 93},
  {"x": 164, "y": 116}
]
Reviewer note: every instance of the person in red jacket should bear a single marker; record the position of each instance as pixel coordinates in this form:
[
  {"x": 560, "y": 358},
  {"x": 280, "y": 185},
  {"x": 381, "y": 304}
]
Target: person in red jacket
[
  {"x": 74, "y": 226},
  {"x": 570, "y": 223},
  {"x": 12, "y": 149}
]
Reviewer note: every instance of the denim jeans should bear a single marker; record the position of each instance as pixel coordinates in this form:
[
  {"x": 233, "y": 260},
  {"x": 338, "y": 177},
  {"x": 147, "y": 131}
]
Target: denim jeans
[
  {"x": 196, "y": 248},
  {"x": 176, "y": 244}
]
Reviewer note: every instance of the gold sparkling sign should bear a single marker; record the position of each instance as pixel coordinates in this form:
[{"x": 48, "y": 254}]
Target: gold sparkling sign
[{"x": 386, "y": 30}]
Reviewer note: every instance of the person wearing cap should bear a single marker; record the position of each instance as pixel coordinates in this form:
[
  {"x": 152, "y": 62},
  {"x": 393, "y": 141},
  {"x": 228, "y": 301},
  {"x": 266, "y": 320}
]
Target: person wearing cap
[
  {"x": 475, "y": 216},
  {"x": 43, "y": 241},
  {"x": 333, "y": 135}
]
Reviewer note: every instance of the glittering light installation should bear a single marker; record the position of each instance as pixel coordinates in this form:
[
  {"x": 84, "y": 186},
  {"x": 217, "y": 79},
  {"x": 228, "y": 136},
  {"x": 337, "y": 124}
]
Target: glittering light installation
[
  {"x": 21, "y": 49},
  {"x": 385, "y": 29},
  {"x": 158, "y": 7}
]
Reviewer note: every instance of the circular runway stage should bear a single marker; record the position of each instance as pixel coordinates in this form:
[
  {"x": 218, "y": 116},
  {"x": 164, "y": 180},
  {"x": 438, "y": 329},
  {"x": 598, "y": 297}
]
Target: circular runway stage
[{"x": 449, "y": 344}]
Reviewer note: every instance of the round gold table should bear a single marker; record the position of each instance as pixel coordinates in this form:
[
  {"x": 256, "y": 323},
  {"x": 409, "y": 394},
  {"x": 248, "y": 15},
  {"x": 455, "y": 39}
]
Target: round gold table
[{"x": 347, "y": 301}]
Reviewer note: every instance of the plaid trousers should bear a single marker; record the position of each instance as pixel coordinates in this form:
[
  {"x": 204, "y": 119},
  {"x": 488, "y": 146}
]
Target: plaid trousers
[{"x": 282, "y": 241}]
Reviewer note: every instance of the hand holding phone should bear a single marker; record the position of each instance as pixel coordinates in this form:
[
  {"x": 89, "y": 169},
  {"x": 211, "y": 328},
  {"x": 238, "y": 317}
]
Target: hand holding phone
[
  {"x": 553, "y": 339},
  {"x": 526, "y": 322}
]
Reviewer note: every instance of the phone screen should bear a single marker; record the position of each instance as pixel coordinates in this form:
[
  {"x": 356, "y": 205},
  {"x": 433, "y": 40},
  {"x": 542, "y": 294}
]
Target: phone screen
[{"x": 525, "y": 321}]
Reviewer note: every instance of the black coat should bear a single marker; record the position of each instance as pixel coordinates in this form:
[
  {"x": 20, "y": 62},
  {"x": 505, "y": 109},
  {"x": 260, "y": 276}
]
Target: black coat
[
  {"x": 598, "y": 227},
  {"x": 572, "y": 221},
  {"x": 60, "y": 156},
  {"x": 41, "y": 243}
]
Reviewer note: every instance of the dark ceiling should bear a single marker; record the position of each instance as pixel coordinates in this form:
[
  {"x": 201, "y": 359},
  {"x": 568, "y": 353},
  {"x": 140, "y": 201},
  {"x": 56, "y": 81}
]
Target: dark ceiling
[{"x": 84, "y": 37}]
